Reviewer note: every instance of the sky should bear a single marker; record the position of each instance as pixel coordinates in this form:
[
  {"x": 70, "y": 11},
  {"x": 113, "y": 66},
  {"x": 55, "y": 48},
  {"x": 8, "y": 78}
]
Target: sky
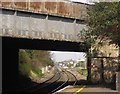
[
  {"x": 91, "y": 1},
  {"x": 83, "y": 1},
  {"x": 61, "y": 56}
]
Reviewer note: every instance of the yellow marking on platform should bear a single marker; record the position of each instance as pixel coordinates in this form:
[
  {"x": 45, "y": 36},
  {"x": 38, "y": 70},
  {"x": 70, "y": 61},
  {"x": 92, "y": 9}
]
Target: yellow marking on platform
[{"x": 79, "y": 90}]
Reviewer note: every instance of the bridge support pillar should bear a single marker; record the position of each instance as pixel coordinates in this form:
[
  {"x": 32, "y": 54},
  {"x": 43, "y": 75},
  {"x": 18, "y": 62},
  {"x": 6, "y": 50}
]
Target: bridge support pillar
[
  {"x": 9, "y": 65},
  {"x": 118, "y": 81},
  {"x": 0, "y": 66},
  {"x": 89, "y": 69}
]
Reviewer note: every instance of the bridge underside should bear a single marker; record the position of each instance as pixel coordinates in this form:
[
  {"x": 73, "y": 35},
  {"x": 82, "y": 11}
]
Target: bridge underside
[
  {"x": 22, "y": 43},
  {"x": 10, "y": 49}
]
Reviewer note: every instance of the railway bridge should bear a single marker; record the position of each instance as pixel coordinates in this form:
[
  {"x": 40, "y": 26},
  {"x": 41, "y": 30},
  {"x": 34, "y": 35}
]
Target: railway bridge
[{"x": 38, "y": 25}]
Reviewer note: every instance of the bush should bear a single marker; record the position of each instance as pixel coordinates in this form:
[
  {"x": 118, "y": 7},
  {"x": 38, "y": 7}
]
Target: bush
[
  {"x": 24, "y": 63},
  {"x": 24, "y": 68},
  {"x": 38, "y": 72}
]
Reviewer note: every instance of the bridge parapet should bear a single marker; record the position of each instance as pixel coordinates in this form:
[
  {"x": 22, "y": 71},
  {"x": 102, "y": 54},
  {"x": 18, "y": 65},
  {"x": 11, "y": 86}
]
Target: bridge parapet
[
  {"x": 42, "y": 20},
  {"x": 57, "y": 8}
]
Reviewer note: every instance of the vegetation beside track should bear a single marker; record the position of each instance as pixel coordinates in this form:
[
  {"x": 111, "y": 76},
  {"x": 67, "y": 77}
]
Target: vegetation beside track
[{"x": 32, "y": 62}]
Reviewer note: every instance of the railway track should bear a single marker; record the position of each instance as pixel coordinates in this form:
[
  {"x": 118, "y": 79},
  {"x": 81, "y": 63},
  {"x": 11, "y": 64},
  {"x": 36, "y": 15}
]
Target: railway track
[
  {"x": 71, "y": 80},
  {"x": 61, "y": 79},
  {"x": 61, "y": 83}
]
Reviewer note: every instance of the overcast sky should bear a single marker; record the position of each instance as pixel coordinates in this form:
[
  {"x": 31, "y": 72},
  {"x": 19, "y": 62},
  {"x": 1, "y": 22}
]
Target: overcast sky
[
  {"x": 83, "y": 1},
  {"x": 61, "y": 56}
]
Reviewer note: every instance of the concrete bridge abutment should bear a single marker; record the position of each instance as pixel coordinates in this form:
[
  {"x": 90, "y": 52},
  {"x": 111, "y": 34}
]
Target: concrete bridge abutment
[
  {"x": 118, "y": 82},
  {"x": 9, "y": 65}
]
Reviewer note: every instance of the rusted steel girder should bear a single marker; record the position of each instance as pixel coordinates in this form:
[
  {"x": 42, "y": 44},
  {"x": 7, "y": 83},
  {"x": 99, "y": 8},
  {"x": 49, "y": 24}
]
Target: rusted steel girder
[{"x": 62, "y": 8}]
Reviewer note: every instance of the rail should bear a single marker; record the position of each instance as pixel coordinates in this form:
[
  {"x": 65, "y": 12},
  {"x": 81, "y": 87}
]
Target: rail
[
  {"x": 68, "y": 73},
  {"x": 54, "y": 83}
]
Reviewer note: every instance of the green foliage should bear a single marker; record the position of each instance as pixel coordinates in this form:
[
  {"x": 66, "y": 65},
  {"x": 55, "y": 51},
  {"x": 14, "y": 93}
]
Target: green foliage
[
  {"x": 42, "y": 57},
  {"x": 30, "y": 53},
  {"x": 23, "y": 57},
  {"x": 24, "y": 68},
  {"x": 33, "y": 60},
  {"x": 24, "y": 63},
  {"x": 103, "y": 21},
  {"x": 38, "y": 72}
]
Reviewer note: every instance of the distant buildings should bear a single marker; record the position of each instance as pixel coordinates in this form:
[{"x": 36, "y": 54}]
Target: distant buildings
[{"x": 72, "y": 63}]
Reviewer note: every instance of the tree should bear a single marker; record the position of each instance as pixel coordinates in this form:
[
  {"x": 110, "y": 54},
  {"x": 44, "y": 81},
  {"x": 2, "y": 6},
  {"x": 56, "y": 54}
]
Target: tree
[
  {"x": 42, "y": 57},
  {"x": 103, "y": 23},
  {"x": 33, "y": 60}
]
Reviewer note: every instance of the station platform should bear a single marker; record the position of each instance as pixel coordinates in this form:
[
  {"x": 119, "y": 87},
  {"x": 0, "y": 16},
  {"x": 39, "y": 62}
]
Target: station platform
[{"x": 86, "y": 90}]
